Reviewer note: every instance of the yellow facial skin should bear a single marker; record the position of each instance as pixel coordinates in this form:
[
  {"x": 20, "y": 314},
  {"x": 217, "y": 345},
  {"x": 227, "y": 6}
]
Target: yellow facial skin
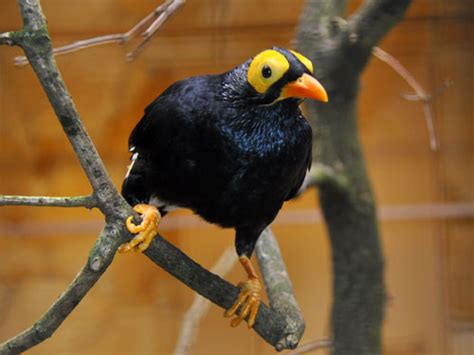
[
  {"x": 306, "y": 62},
  {"x": 275, "y": 65},
  {"x": 275, "y": 61}
]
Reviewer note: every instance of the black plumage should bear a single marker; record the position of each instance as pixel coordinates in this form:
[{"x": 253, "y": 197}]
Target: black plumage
[
  {"x": 214, "y": 145},
  {"x": 231, "y": 147}
]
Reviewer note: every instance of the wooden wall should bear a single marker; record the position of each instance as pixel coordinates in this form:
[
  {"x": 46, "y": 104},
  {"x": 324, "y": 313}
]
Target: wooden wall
[{"x": 136, "y": 307}]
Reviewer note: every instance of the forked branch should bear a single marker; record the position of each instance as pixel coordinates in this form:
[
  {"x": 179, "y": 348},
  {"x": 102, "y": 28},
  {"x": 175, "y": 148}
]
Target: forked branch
[{"x": 157, "y": 18}]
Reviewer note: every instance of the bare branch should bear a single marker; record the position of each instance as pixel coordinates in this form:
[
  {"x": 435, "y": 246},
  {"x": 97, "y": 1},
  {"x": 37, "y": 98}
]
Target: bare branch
[
  {"x": 79, "y": 201},
  {"x": 270, "y": 325},
  {"x": 99, "y": 259},
  {"x": 200, "y": 306},
  {"x": 159, "y": 16},
  {"x": 420, "y": 93},
  {"x": 310, "y": 346},
  {"x": 373, "y": 20},
  {"x": 34, "y": 39},
  {"x": 279, "y": 289},
  {"x": 162, "y": 14}
]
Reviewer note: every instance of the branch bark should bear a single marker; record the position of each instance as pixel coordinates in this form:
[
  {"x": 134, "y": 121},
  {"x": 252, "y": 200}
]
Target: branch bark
[
  {"x": 350, "y": 212},
  {"x": 42, "y": 201},
  {"x": 279, "y": 289},
  {"x": 99, "y": 259},
  {"x": 35, "y": 41}
]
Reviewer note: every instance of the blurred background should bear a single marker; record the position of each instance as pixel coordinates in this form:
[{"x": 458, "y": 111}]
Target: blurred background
[{"x": 425, "y": 198}]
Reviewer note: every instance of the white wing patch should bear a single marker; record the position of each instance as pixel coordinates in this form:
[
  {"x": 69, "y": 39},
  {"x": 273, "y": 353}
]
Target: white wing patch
[
  {"x": 134, "y": 158},
  {"x": 156, "y": 201}
]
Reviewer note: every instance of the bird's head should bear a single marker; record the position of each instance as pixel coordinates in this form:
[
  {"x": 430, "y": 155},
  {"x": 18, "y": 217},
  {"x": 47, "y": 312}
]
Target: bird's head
[{"x": 279, "y": 74}]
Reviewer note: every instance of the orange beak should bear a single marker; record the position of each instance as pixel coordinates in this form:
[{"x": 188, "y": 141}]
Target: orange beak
[{"x": 305, "y": 86}]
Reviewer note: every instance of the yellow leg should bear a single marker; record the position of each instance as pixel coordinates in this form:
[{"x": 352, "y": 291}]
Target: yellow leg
[
  {"x": 249, "y": 298},
  {"x": 146, "y": 230}
]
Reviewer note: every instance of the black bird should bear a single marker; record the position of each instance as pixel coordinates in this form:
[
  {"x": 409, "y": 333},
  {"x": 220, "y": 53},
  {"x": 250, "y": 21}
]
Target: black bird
[{"x": 231, "y": 147}]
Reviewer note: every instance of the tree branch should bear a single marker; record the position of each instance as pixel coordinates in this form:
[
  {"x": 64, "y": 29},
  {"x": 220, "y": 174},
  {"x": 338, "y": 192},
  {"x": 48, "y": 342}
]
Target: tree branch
[
  {"x": 279, "y": 289},
  {"x": 159, "y": 16},
  {"x": 357, "y": 258},
  {"x": 35, "y": 41},
  {"x": 79, "y": 201},
  {"x": 99, "y": 259},
  {"x": 270, "y": 325},
  {"x": 200, "y": 306},
  {"x": 374, "y": 19},
  {"x": 420, "y": 93}
]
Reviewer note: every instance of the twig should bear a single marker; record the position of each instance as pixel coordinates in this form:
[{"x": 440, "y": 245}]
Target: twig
[
  {"x": 79, "y": 201},
  {"x": 159, "y": 16},
  {"x": 162, "y": 13},
  {"x": 310, "y": 346},
  {"x": 200, "y": 306},
  {"x": 420, "y": 93}
]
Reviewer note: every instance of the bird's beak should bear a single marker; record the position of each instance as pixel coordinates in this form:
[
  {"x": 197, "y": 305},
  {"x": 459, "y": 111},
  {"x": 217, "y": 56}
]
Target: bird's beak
[{"x": 306, "y": 86}]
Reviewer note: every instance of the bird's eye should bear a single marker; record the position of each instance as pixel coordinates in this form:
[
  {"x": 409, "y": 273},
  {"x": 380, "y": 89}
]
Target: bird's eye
[{"x": 266, "y": 71}]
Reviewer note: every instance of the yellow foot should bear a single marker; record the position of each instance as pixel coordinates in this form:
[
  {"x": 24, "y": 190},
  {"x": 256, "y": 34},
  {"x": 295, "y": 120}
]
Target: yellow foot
[
  {"x": 249, "y": 299},
  {"x": 146, "y": 230}
]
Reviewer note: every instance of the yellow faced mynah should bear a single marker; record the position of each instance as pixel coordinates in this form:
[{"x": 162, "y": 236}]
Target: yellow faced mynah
[{"x": 231, "y": 147}]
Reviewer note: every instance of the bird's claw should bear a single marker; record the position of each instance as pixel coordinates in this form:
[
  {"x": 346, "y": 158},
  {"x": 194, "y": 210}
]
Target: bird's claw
[
  {"x": 146, "y": 230},
  {"x": 249, "y": 299}
]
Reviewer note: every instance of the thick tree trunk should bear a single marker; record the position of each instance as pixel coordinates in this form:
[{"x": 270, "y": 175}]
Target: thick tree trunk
[{"x": 340, "y": 50}]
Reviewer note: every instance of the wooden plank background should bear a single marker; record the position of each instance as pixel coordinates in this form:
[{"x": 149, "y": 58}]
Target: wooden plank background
[{"x": 138, "y": 308}]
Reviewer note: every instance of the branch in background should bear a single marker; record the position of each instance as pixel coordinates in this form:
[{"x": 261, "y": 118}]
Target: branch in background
[
  {"x": 373, "y": 20},
  {"x": 79, "y": 201},
  {"x": 321, "y": 174},
  {"x": 420, "y": 93},
  {"x": 311, "y": 346},
  {"x": 200, "y": 306},
  {"x": 159, "y": 16}
]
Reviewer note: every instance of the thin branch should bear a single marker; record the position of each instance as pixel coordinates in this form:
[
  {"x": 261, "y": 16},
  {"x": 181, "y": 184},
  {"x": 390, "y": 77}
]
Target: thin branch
[
  {"x": 79, "y": 201},
  {"x": 34, "y": 39},
  {"x": 99, "y": 259},
  {"x": 200, "y": 306},
  {"x": 159, "y": 16},
  {"x": 311, "y": 346},
  {"x": 420, "y": 93},
  {"x": 164, "y": 12}
]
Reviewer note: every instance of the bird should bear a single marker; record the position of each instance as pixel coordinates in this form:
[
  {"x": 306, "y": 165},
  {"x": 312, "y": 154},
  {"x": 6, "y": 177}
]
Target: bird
[{"x": 232, "y": 147}]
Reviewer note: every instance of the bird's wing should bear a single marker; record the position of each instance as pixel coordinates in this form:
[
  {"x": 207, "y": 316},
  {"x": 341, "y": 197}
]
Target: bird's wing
[
  {"x": 171, "y": 117},
  {"x": 304, "y": 170}
]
